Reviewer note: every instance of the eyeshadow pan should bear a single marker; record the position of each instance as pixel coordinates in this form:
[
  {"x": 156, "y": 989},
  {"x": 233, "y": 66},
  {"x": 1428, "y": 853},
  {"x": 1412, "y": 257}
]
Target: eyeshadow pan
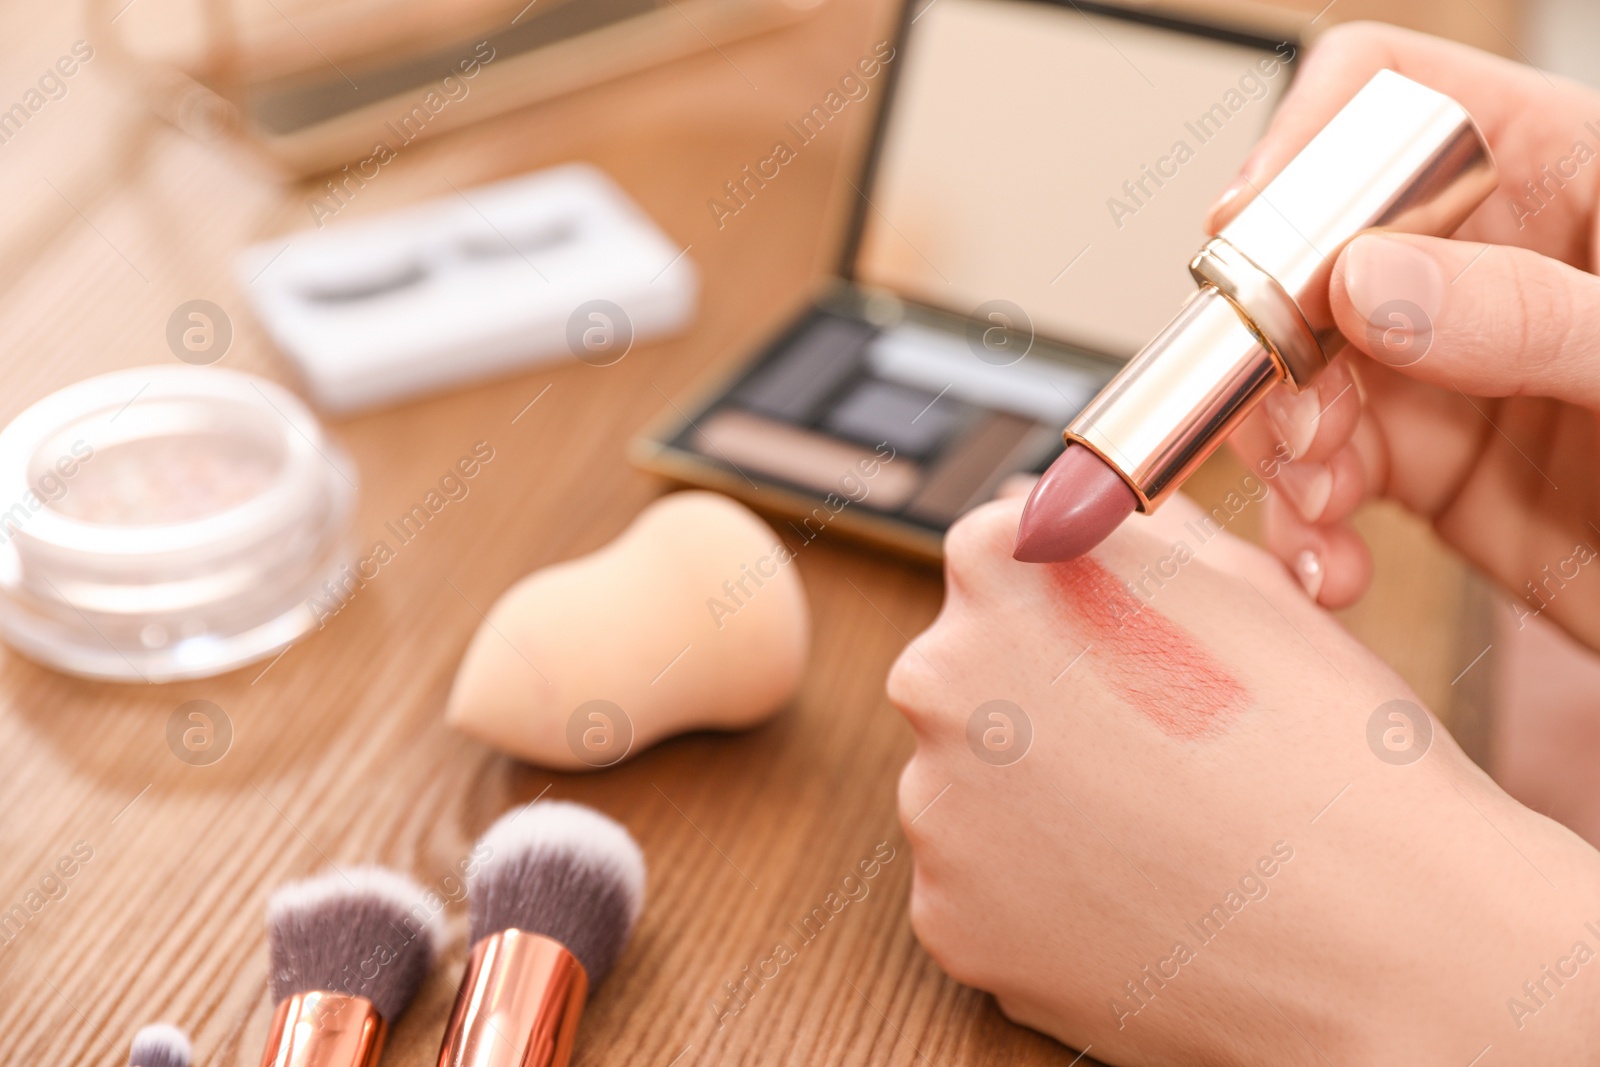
[
  {"x": 817, "y": 462},
  {"x": 1037, "y": 386},
  {"x": 810, "y": 368},
  {"x": 968, "y": 473},
  {"x": 914, "y": 421}
]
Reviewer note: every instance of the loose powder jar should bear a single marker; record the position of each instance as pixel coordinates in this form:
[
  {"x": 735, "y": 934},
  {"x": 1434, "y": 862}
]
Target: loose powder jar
[{"x": 167, "y": 522}]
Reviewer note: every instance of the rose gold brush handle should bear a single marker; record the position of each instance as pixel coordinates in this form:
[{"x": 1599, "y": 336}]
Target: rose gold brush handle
[
  {"x": 518, "y": 1006},
  {"x": 322, "y": 1029}
]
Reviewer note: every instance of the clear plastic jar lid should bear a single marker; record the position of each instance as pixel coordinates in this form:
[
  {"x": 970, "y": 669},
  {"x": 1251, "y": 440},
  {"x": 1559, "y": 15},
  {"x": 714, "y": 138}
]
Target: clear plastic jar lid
[{"x": 167, "y": 522}]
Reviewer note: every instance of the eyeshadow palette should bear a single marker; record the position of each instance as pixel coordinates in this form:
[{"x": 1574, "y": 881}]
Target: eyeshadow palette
[
  {"x": 880, "y": 419},
  {"x": 1027, "y": 209}
]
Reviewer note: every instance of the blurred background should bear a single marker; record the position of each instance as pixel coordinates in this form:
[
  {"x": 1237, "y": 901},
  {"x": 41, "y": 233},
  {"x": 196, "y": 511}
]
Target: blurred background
[
  {"x": 192, "y": 130},
  {"x": 202, "y": 127}
]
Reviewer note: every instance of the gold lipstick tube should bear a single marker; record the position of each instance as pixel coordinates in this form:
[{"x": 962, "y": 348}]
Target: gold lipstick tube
[
  {"x": 1399, "y": 156},
  {"x": 321, "y": 1029},
  {"x": 518, "y": 1005}
]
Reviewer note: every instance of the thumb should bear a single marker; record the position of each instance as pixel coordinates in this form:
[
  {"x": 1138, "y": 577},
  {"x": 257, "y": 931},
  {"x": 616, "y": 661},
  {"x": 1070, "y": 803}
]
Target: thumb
[{"x": 1490, "y": 320}]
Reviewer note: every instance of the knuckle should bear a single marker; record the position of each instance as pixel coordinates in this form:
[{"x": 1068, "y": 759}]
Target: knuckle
[
  {"x": 908, "y": 685},
  {"x": 1285, "y": 532},
  {"x": 940, "y": 936},
  {"x": 907, "y": 792},
  {"x": 1349, "y": 481},
  {"x": 978, "y": 541},
  {"x": 1355, "y": 37},
  {"x": 928, "y": 922},
  {"x": 1542, "y": 320},
  {"x": 1011, "y": 1010}
]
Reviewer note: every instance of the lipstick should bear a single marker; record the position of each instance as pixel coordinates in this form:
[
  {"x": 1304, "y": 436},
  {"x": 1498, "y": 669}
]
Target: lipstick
[{"x": 1399, "y": 156}]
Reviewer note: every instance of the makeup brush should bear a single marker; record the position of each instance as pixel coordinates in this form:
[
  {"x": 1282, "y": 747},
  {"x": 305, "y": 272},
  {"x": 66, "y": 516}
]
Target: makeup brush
[
  {"x": 550, "y": 911},
  {"x": 159, "y": 1045},
  {"x": 348, "y": 951}
]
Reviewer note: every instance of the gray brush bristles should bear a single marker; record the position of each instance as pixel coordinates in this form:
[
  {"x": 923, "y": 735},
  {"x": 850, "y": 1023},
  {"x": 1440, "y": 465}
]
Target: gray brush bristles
[
  {"x": 367, "y": 932},
  {"x": 159, "y": 1045},
  {"x": 564, "y": 871}
]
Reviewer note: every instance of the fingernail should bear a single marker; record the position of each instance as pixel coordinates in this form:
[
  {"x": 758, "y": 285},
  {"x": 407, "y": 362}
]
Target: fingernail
[
  {"x": 1398, "y": 289},
  {"x": 1295, "y": 417},
  {"x": 1308, "y": 487},
  {"x": 1229, "y": 195},
  {"x": 1308, "y": 568}
]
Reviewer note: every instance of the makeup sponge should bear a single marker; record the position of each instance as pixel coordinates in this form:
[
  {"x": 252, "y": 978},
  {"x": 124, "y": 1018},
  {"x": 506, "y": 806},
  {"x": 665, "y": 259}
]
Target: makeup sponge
[{"x": 693, "y": 618}]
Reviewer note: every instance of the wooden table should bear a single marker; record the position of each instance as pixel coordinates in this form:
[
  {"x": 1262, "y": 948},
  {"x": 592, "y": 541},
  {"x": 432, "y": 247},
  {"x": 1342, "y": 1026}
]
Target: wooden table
[{"x": 338, "y": 751}]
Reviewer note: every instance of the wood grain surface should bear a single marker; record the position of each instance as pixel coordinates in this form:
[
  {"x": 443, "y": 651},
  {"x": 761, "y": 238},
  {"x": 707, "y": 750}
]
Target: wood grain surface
[{"x": 338, "y": 752}]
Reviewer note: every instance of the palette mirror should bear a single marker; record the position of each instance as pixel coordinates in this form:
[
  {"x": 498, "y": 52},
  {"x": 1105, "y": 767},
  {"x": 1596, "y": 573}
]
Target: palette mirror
[{"x": 1027, "y": 210}]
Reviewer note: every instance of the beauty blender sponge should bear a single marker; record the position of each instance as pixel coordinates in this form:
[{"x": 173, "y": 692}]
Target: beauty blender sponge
[{"x": 693, "y": 618}]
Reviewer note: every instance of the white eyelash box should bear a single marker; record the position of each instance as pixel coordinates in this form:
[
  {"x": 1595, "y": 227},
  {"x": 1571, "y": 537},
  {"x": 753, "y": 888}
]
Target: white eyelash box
[{"x": 488, "y": 281}]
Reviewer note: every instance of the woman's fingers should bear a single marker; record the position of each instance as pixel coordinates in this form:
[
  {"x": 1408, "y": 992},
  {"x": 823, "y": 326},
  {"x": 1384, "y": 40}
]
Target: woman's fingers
[
  {"x": 1315, "y": 423},
  {"x": 1497, "y": 92},
  {"x": 1328, "y": 77},
  {"x": 1331, "y": 562},
  {"x": 1482, "y": 320},
  {"x": 1325, "y": 492},
  {"x": 1444, "y": 324},
  {"x": 1311, "y": 501},
  {"x": 1312, "y": 425}
]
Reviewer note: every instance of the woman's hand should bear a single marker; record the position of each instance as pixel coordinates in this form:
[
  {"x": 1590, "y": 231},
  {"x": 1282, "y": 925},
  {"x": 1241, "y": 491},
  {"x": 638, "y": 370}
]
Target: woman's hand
[
  {"x": 1191, "y": 820},
  {"x": 1471, "y": 389}
]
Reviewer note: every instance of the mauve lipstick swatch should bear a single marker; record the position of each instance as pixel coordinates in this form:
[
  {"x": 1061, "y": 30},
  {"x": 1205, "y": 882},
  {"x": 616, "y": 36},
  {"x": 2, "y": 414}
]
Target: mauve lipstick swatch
[{"x": 1144, "y": 657}]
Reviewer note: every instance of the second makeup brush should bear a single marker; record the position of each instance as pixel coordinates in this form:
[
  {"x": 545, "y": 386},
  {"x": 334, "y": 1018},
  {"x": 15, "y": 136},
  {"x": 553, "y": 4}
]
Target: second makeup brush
[
  {"x": 551, "y": 910},
  {"x": 349, "y": 950}
]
